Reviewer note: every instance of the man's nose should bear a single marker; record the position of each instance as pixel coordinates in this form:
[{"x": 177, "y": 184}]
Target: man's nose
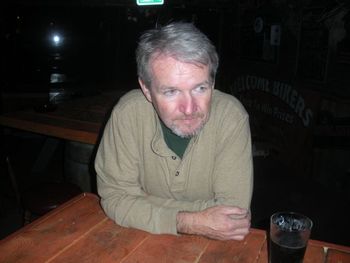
[{"x": 188, "y": 104}]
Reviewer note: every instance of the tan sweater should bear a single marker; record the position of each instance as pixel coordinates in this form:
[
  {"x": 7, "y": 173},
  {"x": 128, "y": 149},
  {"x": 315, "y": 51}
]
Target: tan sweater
[{"x": 143, "y": 184}]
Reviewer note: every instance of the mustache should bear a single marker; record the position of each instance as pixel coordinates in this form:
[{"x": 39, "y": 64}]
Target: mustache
[{"x": 190, "y": 117}]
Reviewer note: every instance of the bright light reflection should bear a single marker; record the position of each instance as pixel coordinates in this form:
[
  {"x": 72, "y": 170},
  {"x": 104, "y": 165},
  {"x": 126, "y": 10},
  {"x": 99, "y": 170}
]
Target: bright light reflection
[{"x": 56, "y": 39}]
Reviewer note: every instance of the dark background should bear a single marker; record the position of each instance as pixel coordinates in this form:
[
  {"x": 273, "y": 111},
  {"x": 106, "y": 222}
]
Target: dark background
[{"x": 287, "y": 61}]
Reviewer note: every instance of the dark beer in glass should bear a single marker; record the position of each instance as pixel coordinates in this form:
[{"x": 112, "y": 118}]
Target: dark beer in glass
[{"x": 289, "y": 233}]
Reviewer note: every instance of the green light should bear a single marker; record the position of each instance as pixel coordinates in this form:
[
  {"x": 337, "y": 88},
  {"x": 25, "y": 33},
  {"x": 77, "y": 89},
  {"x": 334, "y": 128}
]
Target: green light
[{"x": 150, "y": 2}]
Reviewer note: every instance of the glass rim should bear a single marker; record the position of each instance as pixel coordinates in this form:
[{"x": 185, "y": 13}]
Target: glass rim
[{"x": 294, "y": 213}]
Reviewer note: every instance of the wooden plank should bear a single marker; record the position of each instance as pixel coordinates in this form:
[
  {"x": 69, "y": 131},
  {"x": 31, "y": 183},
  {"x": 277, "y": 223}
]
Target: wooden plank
[
  {"x": 85, "y": 134},
  {"x": 314, "y": 253},
  {"x": 169, "y": 248},
  {"x": 76, "y": 115},
  {"x": 101, "y": 103},
  {"x": 78, "y": 120},
  {"x": 337, "y": 256},
  {"x": 221, "y": 251},
  {"x": 247, "y": 250},
  {"x": 52, "y": 120},
  {"x": 106, "y": 243},
  {"x": 329, "y": 245},
  {"x": 42, "y": 239},
  {"x": 263, "y": 257}
]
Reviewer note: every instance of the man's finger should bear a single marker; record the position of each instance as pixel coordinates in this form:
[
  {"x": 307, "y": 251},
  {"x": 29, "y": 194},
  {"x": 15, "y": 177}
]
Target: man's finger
[{"x": 234, "y": 210}]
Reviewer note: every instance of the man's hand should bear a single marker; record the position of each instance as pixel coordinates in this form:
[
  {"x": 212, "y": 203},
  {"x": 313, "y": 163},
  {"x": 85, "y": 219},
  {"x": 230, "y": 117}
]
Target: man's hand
[{"x": 218, "y": 222}]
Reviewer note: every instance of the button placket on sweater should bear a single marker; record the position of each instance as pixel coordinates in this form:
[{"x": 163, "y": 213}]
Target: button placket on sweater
[
  {"x": 174, "y": 163},
  {"x": 177, "y": 180}
]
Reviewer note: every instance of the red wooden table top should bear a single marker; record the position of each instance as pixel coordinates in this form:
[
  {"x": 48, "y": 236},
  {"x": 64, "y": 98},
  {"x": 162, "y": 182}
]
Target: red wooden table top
[{"x": 79, "y": 231}]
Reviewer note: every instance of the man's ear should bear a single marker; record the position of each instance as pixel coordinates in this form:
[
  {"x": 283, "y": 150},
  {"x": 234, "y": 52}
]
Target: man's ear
[{"x": 145, "y": 90}]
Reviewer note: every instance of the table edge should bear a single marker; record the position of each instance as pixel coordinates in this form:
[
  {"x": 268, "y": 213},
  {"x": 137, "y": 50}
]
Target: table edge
[{"x": 50, "y": 214}]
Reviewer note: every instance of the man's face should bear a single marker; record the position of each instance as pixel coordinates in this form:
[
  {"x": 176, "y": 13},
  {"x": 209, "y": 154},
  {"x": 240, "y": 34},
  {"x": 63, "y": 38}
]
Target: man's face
[{"x": 180, "y": 93}]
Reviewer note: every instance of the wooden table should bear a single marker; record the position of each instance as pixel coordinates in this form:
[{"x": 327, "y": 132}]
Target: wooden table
[
  {"x": 79, "y": 231},
  {"x": 76, "y": 120}
]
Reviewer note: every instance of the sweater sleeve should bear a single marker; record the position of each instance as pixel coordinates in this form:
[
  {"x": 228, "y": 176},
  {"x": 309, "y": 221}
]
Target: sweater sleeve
[
  {"x": 233, "y": 172},
  {"x": 118, "y": 183}
]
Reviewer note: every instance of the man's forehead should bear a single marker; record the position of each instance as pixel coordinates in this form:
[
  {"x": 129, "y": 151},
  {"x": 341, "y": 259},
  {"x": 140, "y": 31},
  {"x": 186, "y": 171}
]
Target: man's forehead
[{"x": 165, "y": 58}]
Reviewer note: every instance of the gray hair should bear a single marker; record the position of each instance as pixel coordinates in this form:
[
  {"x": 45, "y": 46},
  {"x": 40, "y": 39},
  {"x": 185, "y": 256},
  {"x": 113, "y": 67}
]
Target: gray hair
[{"x": 183, "y": 41}]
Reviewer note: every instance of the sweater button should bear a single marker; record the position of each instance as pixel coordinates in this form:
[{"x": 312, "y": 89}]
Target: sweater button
[
  {"x": 177, "y": 173},
  {"x": 173, "y": 157}
]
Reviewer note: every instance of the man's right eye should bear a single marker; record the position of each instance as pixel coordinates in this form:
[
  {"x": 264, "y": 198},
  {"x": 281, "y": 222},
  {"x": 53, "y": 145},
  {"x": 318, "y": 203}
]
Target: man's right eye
[{"x": 170, "y": 92}]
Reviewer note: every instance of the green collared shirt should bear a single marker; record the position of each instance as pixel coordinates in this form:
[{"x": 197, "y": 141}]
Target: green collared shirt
[{"x": 177, "y": 144}]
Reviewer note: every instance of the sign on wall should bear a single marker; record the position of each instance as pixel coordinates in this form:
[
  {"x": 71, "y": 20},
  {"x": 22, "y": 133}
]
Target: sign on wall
[{"x": 282, "y": 118}]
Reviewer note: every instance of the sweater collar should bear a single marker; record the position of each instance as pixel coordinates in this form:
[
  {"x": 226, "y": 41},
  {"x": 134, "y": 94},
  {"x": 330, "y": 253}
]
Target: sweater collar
[{"x": 158, "y": 143}]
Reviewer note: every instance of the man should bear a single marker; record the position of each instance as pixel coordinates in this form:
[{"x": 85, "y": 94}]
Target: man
[{"x": 176, "y": 157}]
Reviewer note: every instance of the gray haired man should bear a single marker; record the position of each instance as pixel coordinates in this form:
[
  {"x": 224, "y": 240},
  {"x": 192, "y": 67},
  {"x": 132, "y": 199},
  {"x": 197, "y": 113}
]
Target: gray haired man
[{"x": 175, "y": 156}]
